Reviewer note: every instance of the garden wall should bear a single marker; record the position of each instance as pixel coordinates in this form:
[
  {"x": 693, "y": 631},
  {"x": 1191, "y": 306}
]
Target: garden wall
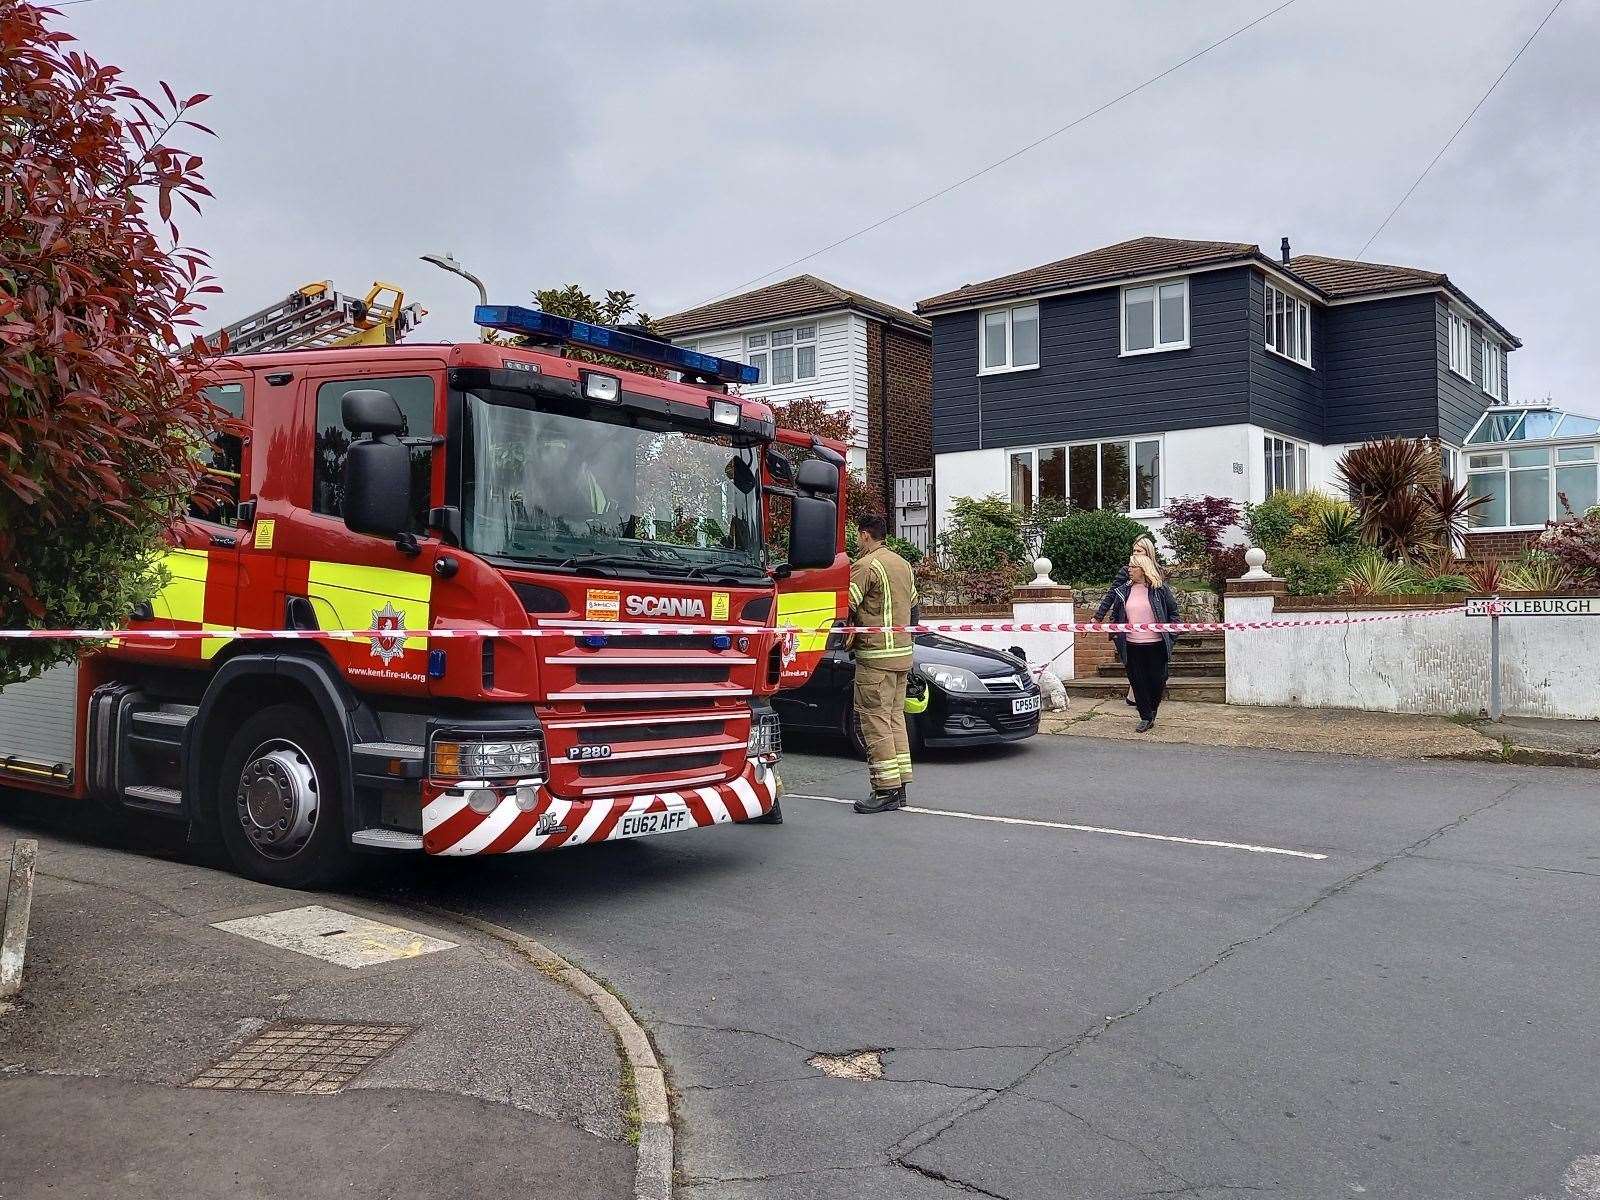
[
  {"x": 1433, "y": 662},
  {"x": 1029, "y": 604}
]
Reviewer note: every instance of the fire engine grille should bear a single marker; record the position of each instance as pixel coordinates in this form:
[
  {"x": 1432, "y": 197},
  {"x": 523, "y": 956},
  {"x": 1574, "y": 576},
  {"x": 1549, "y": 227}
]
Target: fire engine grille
[
  {"x": 666, "y": 764},
  {"x": 601, "y": 673},
  {"x": 653, "y": 732},
  {"x": 666, "y": 641}
]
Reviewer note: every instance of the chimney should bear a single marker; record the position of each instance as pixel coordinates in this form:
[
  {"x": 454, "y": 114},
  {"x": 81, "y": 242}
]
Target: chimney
[{"x": 1283, "y": 250}]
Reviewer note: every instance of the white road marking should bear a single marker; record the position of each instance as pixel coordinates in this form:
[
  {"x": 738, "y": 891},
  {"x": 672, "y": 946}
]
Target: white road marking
[{"x": 1128, "y": 833}]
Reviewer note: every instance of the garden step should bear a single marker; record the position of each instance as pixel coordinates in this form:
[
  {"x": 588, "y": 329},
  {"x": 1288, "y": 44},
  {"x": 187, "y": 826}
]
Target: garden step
[
  {"x": 1113, "y": 670},
  {"x": 1178, "y": 688}
]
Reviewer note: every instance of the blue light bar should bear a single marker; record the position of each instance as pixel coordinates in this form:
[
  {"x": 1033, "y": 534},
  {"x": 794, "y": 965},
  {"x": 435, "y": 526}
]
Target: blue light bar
[{"x": 513, "y": 318}]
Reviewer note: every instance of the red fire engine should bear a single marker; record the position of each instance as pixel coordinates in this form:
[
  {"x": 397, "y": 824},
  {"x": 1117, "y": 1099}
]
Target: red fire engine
[{"x": 463, "y": 487}]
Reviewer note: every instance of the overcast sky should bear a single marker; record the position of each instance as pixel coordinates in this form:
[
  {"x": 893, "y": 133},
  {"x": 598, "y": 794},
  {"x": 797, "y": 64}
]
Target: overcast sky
[{"x": 679, "y": 150}]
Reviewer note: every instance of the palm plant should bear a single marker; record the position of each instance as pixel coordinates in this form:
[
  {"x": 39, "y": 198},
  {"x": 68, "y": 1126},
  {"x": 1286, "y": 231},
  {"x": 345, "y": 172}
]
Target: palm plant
[
  {"x": 1485, "y": 574},
  {"x": 1339, "y": 525},
  {"x": 1537, "y": 572},
  {"x": 1374, "y": 575},
  {"x": 1406, "y": 510},
  {"x": 1453, "y": 504}
]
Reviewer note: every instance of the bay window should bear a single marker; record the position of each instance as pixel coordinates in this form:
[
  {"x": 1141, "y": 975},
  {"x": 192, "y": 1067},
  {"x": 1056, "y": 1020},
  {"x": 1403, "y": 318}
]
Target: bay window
[
  {"x": 1287, "y": 465},
  {"x": 1008, "y": 338},
  {"x": 1155, "y": 317},
  {"x": 1288, "y": 320},
  {"x": 1123, "y": 475}
]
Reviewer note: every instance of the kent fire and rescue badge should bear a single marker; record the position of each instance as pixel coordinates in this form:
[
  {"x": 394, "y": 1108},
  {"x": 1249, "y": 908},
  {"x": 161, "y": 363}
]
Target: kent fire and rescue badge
[{"x": 387, "y": 649}]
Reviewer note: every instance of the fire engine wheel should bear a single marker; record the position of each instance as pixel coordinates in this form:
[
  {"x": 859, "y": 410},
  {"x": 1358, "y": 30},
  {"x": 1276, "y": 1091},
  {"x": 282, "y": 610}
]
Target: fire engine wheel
[{"x": 278, "y": 800}]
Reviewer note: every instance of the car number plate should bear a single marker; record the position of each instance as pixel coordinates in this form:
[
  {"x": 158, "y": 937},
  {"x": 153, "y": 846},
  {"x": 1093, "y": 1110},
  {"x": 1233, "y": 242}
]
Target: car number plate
[
  {"x": 1027, "y": 704},
  {"x": 643, "y": 824}
]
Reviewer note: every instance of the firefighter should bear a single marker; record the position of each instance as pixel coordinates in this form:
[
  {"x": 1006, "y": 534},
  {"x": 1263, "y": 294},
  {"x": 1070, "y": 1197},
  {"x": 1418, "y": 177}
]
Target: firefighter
[{"x": 883, "y": 591}]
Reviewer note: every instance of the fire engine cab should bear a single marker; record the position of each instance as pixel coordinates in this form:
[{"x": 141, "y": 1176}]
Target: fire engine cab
[{"x": 470, "y": 488}]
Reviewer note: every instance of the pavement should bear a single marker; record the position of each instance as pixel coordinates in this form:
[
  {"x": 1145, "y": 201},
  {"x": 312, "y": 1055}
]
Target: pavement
[
  {"x": 146, "y": 1053},
  {"x": 1533, "y": 740},
  {"x": 1075, "y": 970}
]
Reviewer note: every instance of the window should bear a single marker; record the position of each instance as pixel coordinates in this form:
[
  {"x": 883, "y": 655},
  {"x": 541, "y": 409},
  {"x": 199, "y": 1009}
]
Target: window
[
  {"x": 224, "y": 461},
  {"x": 1155, "y": 317},
  {"x": 1008, "y": 338},
  {"x": 414, "y": 395},
  {"x": 1492, "y": 379},
  {"x": 1460, "y": 345},
  {"x": 1287, "y": 465},
  {"x": 783, "y": 355},
  {"x": 1122, "y": 475},
  {"x": 1524, "y": 490},
  {"x": 1288, "y": 321}
]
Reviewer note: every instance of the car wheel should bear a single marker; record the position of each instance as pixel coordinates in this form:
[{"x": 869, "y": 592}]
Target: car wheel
[{"x": 278, "y": 803}]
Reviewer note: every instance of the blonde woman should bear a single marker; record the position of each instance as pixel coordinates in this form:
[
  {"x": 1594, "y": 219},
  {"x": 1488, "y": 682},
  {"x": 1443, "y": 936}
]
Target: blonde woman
[
  {"x": 1147, "y": 547},
  {"x": 1144, "y": 599}
]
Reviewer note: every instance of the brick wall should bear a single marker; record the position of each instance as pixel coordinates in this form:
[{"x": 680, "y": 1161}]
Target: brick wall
[
  {"x": 909, "y": 433},
  {"x": 1499, "y": 545}
]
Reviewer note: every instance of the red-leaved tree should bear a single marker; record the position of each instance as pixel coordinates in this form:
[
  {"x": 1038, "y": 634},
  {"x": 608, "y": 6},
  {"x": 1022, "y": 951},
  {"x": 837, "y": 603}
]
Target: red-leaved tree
[{"x": 102, "y": 420}]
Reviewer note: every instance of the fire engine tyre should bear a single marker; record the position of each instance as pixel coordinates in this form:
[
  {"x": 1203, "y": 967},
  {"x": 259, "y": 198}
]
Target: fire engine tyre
[
  {"x": 773, "y": 816},
  {"x": 278, "y": 800}
]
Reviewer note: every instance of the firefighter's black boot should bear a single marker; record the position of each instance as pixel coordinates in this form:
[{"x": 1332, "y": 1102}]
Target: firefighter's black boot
[{"x": 879, "y": 802}]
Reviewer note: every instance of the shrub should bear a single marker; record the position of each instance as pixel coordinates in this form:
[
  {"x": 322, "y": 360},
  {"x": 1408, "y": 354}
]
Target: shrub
[
  {"x": 1313, "y": 571},
  {"x": 1374, "y": 575},
  {"x": 1090, "y": 545},
  {"x": 1575, "y": 543},
  {"x": 1537, "y": 572},
  {"x": 1227, "y": 563},
  {"x": 983, "y": 533},
  {"x": 903, "y": 548},
  {"x": 1485, "y": 575},
  {"x": 1406, "y": 510},
  {"x": 1196, "y": 525},
  {"x": 941, "y": 585},
  {"x": 1287, "y": 519},
  {"x": 102, "y": 422},
  {"x": 1339, "y": 525}
]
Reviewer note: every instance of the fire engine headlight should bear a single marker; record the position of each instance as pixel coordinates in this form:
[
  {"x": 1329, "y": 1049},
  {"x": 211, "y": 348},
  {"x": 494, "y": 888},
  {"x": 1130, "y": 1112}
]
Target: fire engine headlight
[
  {"x": 461, "y": 756},
  {"x": 725, "y": 412},
  {"x": 766, "y": 736}
]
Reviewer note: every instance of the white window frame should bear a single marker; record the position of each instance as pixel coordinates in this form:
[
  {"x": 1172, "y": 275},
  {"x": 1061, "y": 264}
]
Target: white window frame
[
  {"x": 1557, "y": 457},
  {"x": 758, "y": 344},
  {"x": 1460, "y": 345},
  {"x": 1450, "y": 462},
  {"x": 1132, "y": 442},
  {"x": 1154, "y": 286},
  {"x": 1299, "y": 458},
  {"x": 1010, "y": 311},
  {"x": 1489, "y": 362},
  {"x": 1297, "y": 324}
]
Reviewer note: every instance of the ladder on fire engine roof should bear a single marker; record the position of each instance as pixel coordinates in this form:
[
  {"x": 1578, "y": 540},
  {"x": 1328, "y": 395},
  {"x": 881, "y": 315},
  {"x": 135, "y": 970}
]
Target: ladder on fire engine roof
[{"x": 315, "y": 316}]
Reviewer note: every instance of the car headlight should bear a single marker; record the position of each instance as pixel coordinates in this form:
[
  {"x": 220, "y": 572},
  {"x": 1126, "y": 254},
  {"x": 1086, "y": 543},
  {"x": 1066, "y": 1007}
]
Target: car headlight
[
  {"x": 463, "y": 756},
  {"x": 766, "y": 736},
  {"x": 951, "y": 679}
]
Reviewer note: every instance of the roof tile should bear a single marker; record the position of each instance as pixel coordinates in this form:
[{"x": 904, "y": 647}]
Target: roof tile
[{"x": 797, "y": 297}]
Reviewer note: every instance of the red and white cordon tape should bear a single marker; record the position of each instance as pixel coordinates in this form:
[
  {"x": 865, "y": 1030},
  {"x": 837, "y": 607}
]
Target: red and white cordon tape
[{"x": 612, "y": 628}]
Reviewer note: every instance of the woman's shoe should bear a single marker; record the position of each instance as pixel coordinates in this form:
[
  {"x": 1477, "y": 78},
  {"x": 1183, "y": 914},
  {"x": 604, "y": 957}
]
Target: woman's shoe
[
  {"x": 1143, "y": 726},
  {"x": 1130, "y": 703}
]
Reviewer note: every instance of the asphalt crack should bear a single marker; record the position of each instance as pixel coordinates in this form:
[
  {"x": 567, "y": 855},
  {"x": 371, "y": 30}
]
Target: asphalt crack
[{"x": 930, "y": 1132}]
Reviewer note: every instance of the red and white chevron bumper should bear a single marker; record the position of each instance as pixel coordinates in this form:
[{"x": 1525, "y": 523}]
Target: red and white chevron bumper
[{"x": 451, "y": 826}]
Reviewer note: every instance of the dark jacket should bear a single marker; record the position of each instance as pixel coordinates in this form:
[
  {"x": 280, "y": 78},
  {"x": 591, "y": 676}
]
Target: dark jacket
[{"x": 1114, "y": 610}]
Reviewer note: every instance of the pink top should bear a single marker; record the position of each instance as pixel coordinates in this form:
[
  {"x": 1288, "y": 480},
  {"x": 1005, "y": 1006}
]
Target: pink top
[{"x": 1140, "y": 612}]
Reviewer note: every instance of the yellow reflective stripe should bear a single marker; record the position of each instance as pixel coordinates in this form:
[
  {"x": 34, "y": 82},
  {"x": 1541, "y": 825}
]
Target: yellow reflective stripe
[
  {"x": 184, "y": 596},
  {"x": 889, "y": 642},
  {"x": 892, "y": 652},
  {"x": 807, "y": 612},
  {"x": 855, "y": 593},
  {"x": 348, "y": 596}
]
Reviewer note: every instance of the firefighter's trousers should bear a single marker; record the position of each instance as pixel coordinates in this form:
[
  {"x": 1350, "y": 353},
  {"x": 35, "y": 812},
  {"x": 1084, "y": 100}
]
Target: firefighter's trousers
[{"x": 881, "y": 712}]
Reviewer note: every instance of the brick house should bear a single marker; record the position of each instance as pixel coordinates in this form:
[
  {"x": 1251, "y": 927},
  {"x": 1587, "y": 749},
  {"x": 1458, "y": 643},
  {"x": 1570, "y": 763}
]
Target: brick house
[{"x": 812, "y": 338}]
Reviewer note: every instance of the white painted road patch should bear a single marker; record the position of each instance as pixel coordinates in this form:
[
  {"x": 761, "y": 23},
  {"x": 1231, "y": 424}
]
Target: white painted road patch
[
  {"x": 338, "y": 937},
  {"x": 1066, "y": 825}
]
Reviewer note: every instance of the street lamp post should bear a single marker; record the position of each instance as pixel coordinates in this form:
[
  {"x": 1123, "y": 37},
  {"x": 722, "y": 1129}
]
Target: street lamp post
[{"x": 447, "y": 262}]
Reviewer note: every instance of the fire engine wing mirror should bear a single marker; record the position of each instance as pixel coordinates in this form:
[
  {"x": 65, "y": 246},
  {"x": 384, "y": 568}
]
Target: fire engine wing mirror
[
  {"x": 813, "y": 532},
  {"x": 818, "y": 477},
  {"x": 377, "y": 468}
]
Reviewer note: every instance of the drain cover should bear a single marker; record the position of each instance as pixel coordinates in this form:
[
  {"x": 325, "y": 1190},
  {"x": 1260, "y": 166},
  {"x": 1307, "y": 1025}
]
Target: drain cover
[
  {"x": 317, "y": 1058},
  {"x": 338, "y": 937}
]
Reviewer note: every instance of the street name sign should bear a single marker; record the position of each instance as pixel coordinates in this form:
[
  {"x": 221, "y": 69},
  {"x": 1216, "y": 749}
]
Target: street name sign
[{"x": 1535, "y": 606}]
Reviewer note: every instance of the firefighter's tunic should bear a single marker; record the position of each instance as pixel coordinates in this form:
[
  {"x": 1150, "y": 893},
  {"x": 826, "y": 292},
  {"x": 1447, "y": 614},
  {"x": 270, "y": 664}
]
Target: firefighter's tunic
[{"x": 883, "y": 591}]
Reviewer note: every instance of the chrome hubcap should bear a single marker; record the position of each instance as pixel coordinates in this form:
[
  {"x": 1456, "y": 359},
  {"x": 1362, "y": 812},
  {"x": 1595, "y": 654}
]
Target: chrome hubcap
[{"x": 278, "y": 798}]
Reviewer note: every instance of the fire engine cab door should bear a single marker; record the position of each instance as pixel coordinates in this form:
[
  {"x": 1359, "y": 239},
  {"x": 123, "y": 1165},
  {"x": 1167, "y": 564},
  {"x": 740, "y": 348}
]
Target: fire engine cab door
[{"x": 811, "y": 600}]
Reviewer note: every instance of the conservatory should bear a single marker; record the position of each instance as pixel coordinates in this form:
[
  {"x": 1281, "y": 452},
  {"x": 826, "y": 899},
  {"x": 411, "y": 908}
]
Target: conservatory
[{"x": 1534, "y": 462}]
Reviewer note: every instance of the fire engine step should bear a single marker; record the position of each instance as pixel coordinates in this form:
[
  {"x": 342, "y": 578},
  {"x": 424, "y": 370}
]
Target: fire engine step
[
  {"x": 387, "y": 839},
  {"x": 166, "y": 718},
  {"x": 145, "y": 793}
]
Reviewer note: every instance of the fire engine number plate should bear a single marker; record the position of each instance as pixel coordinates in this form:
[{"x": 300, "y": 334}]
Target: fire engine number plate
[{"x": 641, "y": 824}]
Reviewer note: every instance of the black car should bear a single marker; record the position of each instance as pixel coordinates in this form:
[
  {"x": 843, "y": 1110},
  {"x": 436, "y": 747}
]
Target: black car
[{"x": 959, "y": 694}]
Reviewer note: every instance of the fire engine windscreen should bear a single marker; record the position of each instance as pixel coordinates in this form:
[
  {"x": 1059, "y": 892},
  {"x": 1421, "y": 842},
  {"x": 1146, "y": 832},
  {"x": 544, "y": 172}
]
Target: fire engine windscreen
[{"x": 631, "y": 488}]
